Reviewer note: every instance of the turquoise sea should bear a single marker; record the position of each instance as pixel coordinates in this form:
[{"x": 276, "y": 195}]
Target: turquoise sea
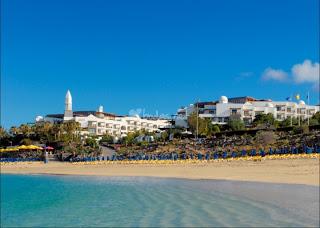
[{"x": 62, "y": 201}]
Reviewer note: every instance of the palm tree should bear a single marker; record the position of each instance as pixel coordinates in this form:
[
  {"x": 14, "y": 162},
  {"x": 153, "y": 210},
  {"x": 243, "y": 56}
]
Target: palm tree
[
  {"x": 25, "y": 130},
  {"x": 56, "y": 131},
  {"x": 14, "y": 130},
  {"x": 43, "y": 131},
  {"x": 71, "y": 131},
  {"x": 3, "y": 133},
  {"x": 47, "y": 126}
]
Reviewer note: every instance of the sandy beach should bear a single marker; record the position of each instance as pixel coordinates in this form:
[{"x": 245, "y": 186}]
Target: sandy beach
[{"x": 291, "y": 171}]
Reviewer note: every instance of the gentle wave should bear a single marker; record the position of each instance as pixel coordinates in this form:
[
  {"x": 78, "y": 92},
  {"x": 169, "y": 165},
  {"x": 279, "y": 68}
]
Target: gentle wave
[{"x": 50, "y": 201}]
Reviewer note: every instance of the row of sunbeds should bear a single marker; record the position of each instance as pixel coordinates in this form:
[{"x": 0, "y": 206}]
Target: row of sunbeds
[{"x": 207, "y": 156}]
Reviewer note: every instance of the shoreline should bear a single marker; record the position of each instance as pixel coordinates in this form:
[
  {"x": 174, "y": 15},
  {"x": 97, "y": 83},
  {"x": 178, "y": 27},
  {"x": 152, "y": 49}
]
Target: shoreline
[
  {"x": 161, "y": 177},
  {"x": 290, "y": 171}
]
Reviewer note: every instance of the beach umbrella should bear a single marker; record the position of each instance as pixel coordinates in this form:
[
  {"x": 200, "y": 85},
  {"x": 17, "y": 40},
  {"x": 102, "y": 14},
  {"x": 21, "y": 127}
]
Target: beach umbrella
[
  {"x": 30, "y": 147},
  {"x": 9, "y": 149},
  {"x": 34, "y": 147},
  {"x": 22, "y": 147},
  {"x": 49, "y": 148}
]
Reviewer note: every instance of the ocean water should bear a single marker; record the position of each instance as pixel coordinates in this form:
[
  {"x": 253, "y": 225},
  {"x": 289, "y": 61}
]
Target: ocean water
[{"x": 65, "y": 201}]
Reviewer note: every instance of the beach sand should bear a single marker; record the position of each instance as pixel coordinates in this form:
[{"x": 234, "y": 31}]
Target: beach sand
[{"x": 291, "y": 171}]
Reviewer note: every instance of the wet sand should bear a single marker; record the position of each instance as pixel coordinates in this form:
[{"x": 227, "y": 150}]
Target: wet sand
[{"x": 290, "y": 171}]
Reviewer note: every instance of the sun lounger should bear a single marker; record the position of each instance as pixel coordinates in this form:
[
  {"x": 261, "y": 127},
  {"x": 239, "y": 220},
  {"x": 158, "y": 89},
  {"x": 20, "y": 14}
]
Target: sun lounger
[
  {"x": 253, "y": 152},
  {"x": 224, "y": 155},
  {"x": 271, "y": 152},
  {"x": 309, "y": 150}
]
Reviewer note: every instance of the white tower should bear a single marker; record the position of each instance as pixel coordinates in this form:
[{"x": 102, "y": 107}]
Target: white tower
[{"x": 68, "y": 106}]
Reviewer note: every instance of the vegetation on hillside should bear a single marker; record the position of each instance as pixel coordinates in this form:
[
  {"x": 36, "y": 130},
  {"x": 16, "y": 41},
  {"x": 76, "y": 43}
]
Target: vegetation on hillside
[{"x": 68, "y": 142}]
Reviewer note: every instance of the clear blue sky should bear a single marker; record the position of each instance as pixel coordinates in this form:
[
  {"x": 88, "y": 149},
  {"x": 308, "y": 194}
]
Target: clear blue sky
[{"x": 155, "y": 55}]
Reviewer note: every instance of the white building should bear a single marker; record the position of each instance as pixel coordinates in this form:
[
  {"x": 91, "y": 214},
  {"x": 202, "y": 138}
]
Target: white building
[
  {"x": 245, "y": 108},
  {"x": 100, "y": 123}
]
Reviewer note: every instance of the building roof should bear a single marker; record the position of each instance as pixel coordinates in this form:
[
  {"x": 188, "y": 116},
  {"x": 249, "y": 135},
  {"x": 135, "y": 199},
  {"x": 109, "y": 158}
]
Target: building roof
[
  {"x": 87, "y": 113},
  {"x": 58, "y": 116},
  {"x": 236, "y": 100},
  {"x": 202, "y": 104},
  {"x": 80, "y": 114},
  {"x": 242, "y": 100}
]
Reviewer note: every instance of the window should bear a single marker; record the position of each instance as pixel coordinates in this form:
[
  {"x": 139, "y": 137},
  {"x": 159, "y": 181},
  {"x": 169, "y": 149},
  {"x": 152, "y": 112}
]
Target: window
[
  {"x": 246, "y": 113},
  {"x": 92, "y": 130},
  {"x": 233, "y": 111},
  {"x": 100, "y": 124},
  {"x": 212, "y": 111},
  {"x": 92, "y": 123}
]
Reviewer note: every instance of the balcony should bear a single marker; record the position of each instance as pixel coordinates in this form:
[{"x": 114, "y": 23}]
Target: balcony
[
  {"x": 281, "y": 108},
  {"x": 101, "y": 125},
  {"x": 311, "y": 112},
  {"x": 280, "y": 117},
  {"x": 206, "y": 115}
]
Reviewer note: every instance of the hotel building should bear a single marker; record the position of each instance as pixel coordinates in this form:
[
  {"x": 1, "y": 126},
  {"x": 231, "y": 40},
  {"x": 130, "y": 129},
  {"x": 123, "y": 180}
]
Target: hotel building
[
  {"x": 100, "y": 122},
  {"x": 245, "y": 108}
]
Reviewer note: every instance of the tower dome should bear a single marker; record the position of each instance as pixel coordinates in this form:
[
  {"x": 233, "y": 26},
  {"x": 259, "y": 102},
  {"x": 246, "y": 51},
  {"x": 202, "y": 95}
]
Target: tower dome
[
  {"x": 223, "y": 99},
  {"x": 301, "y": 102},
  {"x": 100, "y": 109},
  {"x": 39, "y": 118}
]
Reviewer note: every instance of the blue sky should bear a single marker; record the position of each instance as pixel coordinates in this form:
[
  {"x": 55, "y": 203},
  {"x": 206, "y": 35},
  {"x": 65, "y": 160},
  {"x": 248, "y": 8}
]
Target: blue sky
[{"x": 153, "y": 55}]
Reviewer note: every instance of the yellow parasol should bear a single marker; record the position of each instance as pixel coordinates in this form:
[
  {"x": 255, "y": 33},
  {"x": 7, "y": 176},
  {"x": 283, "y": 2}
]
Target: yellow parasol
[
  {"x": 30, "y": 147},
  {"x": 23, "y": 147},
  {"x": 9, "y": 149},
  {"x": 33, "y": 147}
]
